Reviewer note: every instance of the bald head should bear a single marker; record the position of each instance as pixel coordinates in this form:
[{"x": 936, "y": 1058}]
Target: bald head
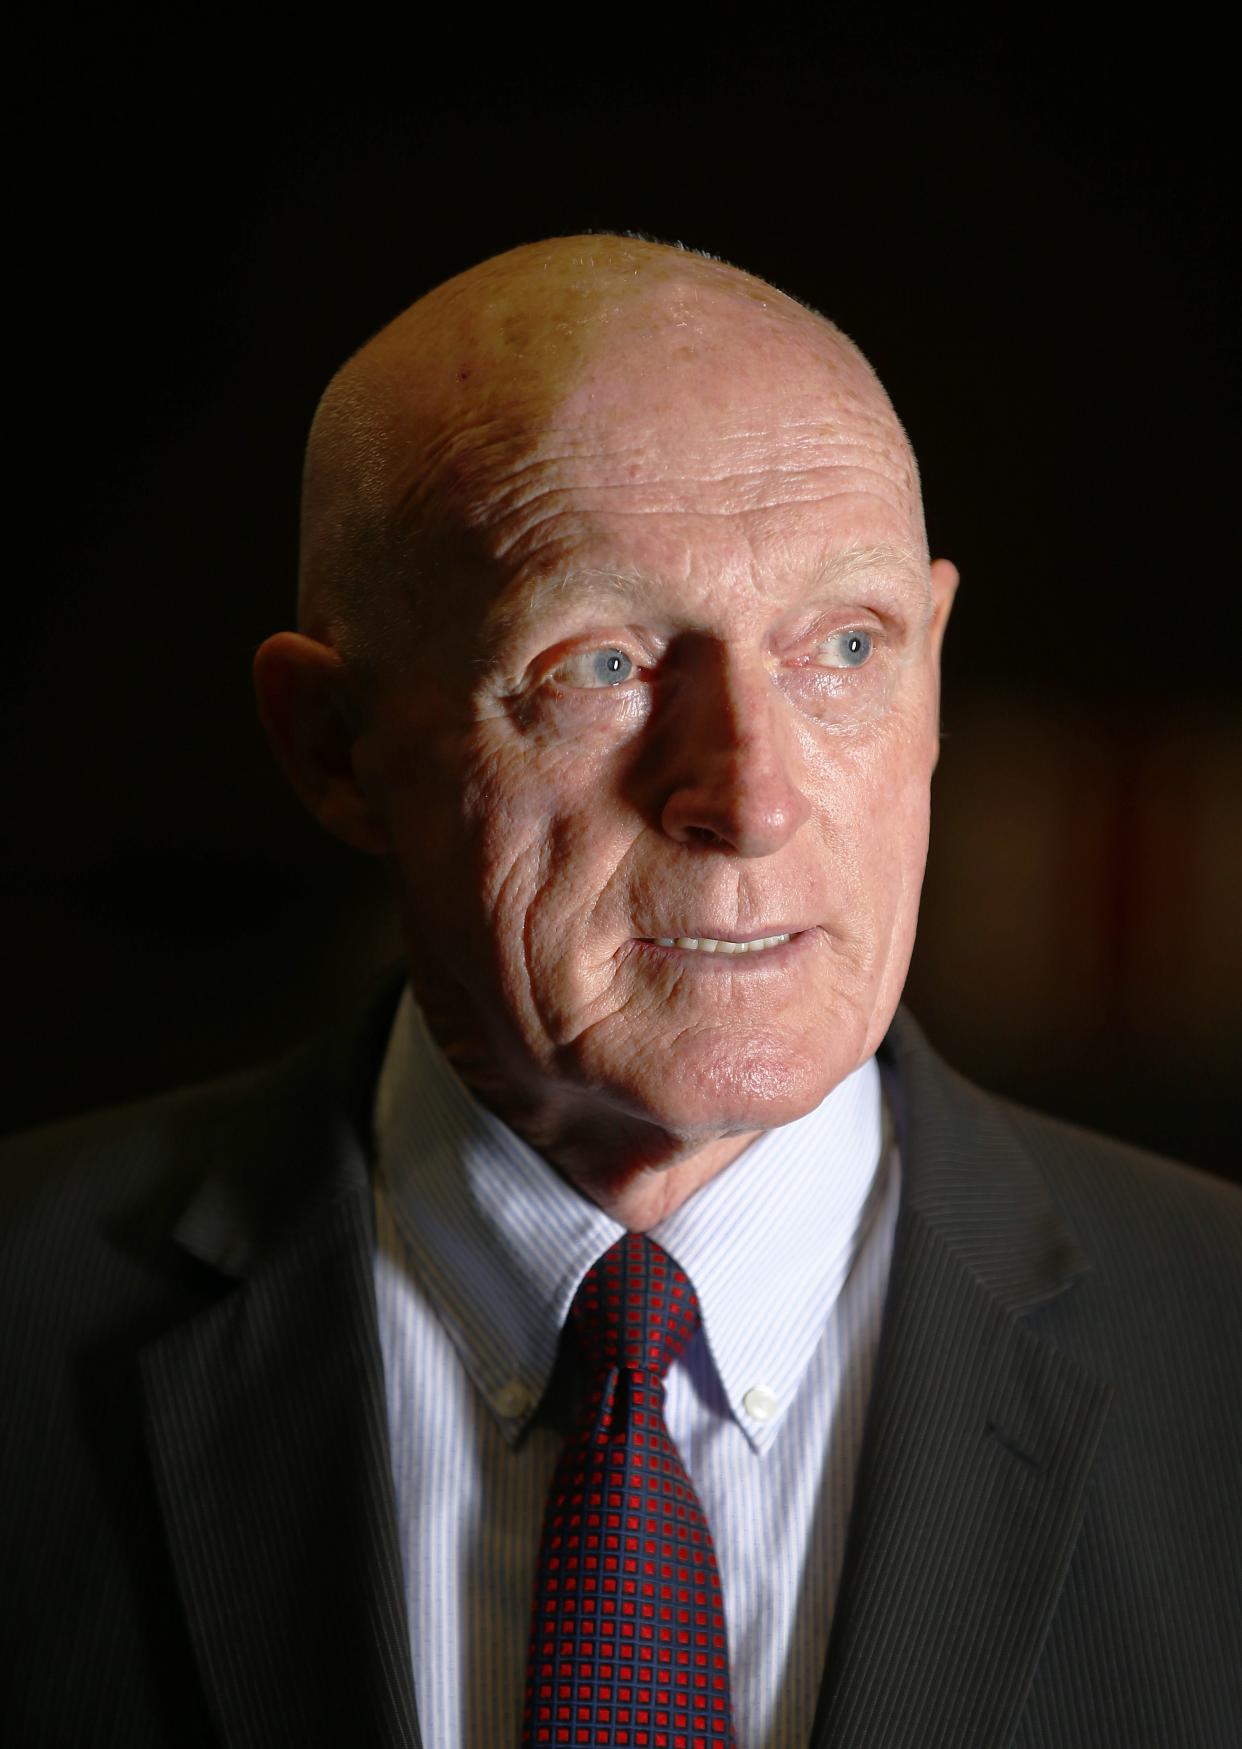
[{"x": 435, "y": 441}]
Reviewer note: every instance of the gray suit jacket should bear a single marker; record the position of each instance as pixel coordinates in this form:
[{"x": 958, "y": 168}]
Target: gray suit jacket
[{"x": 196, "y": 1500}]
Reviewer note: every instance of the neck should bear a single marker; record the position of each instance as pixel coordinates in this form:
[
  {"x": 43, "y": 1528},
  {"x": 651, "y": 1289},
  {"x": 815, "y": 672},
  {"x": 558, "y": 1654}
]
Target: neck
[{"x": 639, "y": 1185}]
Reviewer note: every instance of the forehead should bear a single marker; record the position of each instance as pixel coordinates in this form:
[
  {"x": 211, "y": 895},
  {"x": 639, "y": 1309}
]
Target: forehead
[
  {"x": 692, "y": 369},
  {"x": 674, "y": 507},
  {"x": 760, "y": 470},
  {"x": 679, "y": 437},
  {"x": 630, "y": 458}
]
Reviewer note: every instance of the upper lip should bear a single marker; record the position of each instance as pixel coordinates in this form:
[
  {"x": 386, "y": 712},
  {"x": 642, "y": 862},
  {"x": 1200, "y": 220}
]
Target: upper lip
[{"x": 713, "y": 932}]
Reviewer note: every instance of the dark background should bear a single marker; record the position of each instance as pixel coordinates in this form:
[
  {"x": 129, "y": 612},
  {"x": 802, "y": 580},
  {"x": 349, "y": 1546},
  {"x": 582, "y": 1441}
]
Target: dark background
[{"x": 1027, "y": 236}]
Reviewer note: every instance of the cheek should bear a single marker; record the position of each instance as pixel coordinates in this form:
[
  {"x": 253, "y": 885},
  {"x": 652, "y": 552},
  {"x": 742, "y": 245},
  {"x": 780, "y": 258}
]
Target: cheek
[
  {"x": 892, "y": 843},
  {"x": 550, "y": 830},
  {"x": 892, "y": 791},
  {"x": 872, "y": 791},
  {"x": 465, "y": 826}
]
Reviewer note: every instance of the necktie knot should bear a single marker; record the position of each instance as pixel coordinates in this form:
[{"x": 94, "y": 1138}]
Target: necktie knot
[{"x": 635, "y": 1308}]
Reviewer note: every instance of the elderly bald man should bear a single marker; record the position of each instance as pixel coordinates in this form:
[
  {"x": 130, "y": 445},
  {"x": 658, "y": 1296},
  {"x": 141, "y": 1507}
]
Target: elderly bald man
[{"x": 619, "y": 642}]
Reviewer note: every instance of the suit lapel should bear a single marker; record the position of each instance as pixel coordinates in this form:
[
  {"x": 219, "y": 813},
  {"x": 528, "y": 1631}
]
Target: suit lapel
[
  {"x": 979, "y": 1441},
  {"x": 267, "y": 1427}
]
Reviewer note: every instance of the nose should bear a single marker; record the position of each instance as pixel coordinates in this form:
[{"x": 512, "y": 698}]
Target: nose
[{"x": 730, "y": 773}]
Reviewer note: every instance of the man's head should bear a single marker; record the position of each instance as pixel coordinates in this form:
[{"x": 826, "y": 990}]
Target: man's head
[{"x": 619, "y": 632}]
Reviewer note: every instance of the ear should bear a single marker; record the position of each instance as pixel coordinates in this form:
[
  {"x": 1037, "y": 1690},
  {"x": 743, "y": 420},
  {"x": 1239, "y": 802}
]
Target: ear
[
  {"x": 304, "y": 706},
  {"x": 944, "y": 582}
]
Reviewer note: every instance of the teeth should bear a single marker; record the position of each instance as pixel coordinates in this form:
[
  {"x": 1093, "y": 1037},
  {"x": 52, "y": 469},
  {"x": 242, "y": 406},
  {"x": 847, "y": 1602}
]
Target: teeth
[{"x": 706, "y": 944}]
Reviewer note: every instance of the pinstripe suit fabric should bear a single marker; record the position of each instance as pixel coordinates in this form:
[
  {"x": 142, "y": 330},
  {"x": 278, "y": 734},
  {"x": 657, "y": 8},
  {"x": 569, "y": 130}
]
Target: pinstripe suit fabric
[{"x": 199, "y": 1533}]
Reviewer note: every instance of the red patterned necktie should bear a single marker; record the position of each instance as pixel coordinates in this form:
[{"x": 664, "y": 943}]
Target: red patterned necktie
[{"x": 628, "y": 1640}]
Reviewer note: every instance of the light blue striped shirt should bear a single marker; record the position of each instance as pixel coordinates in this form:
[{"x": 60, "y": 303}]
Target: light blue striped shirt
[{"x": 481, "y": 1246}]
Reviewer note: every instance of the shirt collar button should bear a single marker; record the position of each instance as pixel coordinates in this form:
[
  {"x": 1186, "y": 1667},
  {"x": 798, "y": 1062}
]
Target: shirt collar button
[{"x": 512, "y": 1400}]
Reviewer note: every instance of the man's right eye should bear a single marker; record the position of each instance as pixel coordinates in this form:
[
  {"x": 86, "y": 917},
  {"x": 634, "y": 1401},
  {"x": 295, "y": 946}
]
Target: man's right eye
[{"x": 604, "y": 667}]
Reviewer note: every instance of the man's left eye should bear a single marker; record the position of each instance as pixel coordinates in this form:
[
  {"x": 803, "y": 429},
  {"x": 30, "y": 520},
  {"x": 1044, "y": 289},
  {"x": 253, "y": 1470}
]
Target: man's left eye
[
  {"x": 848, "y": 649},
  {"x": 606, "y": 667}
]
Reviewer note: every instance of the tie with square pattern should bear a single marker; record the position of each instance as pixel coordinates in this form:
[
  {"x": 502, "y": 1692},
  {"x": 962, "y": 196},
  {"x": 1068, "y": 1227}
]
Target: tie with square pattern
[{"x": 628, "y": 1640}]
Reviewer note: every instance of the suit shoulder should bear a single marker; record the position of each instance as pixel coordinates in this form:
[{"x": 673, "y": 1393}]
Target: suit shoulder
[
  {"x": 1135, "y": 1207},
  {"x": 86, "y": 1159},
  {"x": 269, "y": 1111},
  {"x": 1157, "y": 1233},
  {"x": 84, "y": 1203},
  {"x": 88, "y": 1207},
  {"x": 91, "y": 1204},
  {"x": 1081, "y": 1154}
]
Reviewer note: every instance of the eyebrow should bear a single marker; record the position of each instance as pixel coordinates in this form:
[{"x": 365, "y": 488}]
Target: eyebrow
[
  {"x": 907, "y": 563},
  {"x": 577, "y": 584},
  {"x": 581, "y": 585}
]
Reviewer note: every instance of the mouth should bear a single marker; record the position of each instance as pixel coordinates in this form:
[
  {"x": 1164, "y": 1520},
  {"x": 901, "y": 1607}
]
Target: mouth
[
  {"x": 722, "y": 944},
  {"x": 729, "y": 946}
]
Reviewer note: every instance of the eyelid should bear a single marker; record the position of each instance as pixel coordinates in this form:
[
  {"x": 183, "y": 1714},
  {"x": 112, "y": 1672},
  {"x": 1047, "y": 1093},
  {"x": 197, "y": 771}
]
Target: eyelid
[
  {"x": 807, "y": 647},
  {"x": 826, "y": 621},
  {"x": 627, "y": 642}
]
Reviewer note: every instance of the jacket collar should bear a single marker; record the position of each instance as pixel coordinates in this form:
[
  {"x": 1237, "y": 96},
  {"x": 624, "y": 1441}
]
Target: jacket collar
[
  {"x": 968, "y": 1177},
  {"x": 979, "y": 1440}
]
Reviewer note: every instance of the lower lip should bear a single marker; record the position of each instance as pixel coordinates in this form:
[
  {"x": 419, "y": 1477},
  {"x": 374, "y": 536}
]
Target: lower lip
[{"x": 688, "y": 957}]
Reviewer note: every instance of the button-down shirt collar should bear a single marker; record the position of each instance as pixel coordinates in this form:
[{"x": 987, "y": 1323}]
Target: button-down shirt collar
[{"x": 501, "y": 1242}]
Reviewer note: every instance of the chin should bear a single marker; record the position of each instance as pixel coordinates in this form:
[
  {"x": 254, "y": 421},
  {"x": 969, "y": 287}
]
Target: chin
[{"x": 712, "y": 1089}]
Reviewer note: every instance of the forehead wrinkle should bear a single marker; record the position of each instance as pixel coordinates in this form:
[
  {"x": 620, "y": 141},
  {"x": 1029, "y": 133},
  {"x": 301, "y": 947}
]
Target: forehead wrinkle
[
  {"x": 506, "y": 474},
  {"x": 501, "y": 470},
  {"x": 513, "y": 527},
  {"x": 486, "y": 465}
]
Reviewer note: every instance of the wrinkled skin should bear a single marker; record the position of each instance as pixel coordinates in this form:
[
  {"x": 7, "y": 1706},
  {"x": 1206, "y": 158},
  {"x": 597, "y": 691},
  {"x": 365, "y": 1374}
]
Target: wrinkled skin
[{"x": 678, "y": 677}]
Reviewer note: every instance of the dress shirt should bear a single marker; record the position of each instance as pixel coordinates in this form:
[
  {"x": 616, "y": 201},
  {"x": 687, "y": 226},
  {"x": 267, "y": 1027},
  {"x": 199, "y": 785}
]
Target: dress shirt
[{"x": 480, "y": 1249}]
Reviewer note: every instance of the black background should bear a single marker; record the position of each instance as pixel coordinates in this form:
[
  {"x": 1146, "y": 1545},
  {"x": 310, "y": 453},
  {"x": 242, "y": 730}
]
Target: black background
[{"x": 1028, "y": 236}]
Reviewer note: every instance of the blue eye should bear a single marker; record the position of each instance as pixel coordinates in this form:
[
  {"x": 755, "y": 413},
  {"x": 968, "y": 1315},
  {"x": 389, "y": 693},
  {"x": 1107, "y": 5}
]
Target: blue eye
[
  {"x": 611, "y": 667},
  {"x": 590, "y": 668},
  {"x": 851, "y": 649}
]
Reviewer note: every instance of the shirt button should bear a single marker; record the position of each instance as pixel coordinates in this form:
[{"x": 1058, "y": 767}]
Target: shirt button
[
  {"x": 512, "y": 1400},
  {"x": 759, "y": 1403}
]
